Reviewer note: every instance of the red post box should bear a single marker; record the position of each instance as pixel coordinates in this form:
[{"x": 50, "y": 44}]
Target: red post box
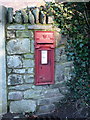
[{"x": 44, "y": 57}]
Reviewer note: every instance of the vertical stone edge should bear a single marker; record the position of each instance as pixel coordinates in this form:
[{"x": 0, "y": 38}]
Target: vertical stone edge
[{"x": 3, "y": 86}]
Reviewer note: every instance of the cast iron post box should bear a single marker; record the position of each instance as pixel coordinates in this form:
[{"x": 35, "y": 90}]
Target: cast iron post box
[{"x": 44, "y": 57}]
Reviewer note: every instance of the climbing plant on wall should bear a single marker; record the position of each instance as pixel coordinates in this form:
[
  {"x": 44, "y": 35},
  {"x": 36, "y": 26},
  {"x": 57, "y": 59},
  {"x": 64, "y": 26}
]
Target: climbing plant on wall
[{"x": 72, "y": 19}]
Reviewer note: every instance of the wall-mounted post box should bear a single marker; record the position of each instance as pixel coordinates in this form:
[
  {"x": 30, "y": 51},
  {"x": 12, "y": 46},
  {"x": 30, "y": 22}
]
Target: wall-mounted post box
[{"x": 44, "y": 57}]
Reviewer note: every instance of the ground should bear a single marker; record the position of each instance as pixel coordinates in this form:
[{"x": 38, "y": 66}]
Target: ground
[{"x": 66, "y": 111}]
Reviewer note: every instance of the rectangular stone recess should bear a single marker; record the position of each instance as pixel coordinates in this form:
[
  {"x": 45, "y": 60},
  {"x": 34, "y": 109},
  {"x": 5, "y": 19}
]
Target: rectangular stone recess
[{"x": 44, "y": 67}]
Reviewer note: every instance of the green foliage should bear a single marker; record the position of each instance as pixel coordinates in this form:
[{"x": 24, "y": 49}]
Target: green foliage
[{"x": 72, "y": 19}]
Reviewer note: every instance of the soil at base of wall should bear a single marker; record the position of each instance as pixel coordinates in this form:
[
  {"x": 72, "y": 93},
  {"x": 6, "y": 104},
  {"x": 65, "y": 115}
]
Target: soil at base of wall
[{"x": 68, "y": 111}]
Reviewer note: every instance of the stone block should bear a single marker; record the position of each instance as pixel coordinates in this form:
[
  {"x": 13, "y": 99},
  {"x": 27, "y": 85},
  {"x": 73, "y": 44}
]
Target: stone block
[
  {"x": 43, "y": 102},
  {"x": 18, "y": 17},
  {"x": 31, "y": 70},
  {"x": 58, "y": 38},
  {"x": 9, "y": 70},
  {"x": 34, "y": 87},
  {"x": 20, "y": 46},
  {"x": 31, "y": 18},
  {"x": 42, "y": 18},
  {"x": 29, "y": 79},
  {"x": 15, "y": 79},
  {"x": 10, "y": 34},
  {"x": 56, "y": 99},
  {"x": 21, "y": 87},
  {"x": 31, "y": 56},
  {"x": 59, "y": 53},
  {"x": 38, "y": 27},
  {"x": 19, "y": 71},
  {"x": 59, "y": 72},
  {"x": 32, "y": 46},
  {"x": 15, "y": 95},
  {"x": 14, "y": 61},
  {"x": 35, "y": 12},
  {"x": 51, "y": 93},
  {"x": 24, "y": 16},
  {"x": 10, "y": 15},
  {"x": 24, "y": 34},
  {"x": 46, "y": 108},
  {"x": 22, "y": 106},
  {"x": 16, "y": 27},
  {"x": 33, "y": 94},
  {"x": 28, "y": 63}
]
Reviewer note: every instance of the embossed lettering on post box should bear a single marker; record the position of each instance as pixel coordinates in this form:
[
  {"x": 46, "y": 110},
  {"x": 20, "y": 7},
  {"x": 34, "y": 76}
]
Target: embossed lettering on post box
[{"x": 44, "y": 57}]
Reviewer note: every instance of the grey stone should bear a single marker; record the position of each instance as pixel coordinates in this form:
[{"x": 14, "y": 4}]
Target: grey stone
[
  {"x": 31, "y": 70},
  {"x": 31, "y": 18},
  {"x": 59, "y": 72},
  {"x": 10, "y": 15},
  {"x": 32, "y": 46},
  {"x": 18, "y": 17},
  {"x": 33, "y": 94},
  {"x": 22, "y": 106},
  {"x": 28, "y": 63},
  {"x": 34, "y": 87},
  {"x": 15, "y": 95},
  {"x": 19, "y": 46},
  {"x": 56, "y": 99},
  {"x": 19, "y": 71},
  {"x": 14, "y": 61},
  {"x": 46, "y": 108},
  {"x": 24, "y": 34},
  {"x": 43, "y": 102},
  {"x": 38, "y": 27},
  {"x": 57, "y": 38},
  {"x": 16, "y": 27},
  {"x": 9, "y": 70},
  {"x": 25, "y": 16},
  {"x": 51, "y": 93},
  {"x": 28, "y": 79},
  {"x": 35, "y": 12},
  {"x": 10, "y": 34},
  {"x": 42, "y": 17},
  {"x": 31, "y": 56},
  {"x": 59, "y": 52},
  {"x": 21, "y": 87},
  {"x": 15, "y": 79}
]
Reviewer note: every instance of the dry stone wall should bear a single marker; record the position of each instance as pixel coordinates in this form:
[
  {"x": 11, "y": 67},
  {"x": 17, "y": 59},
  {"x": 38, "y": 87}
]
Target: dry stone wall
[{"x": 23, "y": 95}]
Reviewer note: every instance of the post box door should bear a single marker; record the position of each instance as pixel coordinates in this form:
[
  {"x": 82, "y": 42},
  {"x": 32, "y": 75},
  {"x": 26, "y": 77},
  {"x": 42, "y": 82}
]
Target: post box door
[
  {"x": 44, "y": 57},
  {"x": 44, "y": 72}
]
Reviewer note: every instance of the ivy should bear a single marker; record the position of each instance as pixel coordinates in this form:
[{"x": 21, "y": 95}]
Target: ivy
[{"x": 72, "y": 19}]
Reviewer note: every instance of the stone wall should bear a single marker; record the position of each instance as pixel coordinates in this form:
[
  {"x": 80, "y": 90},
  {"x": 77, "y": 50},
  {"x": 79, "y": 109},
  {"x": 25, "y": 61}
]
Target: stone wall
[{"x": 23, "y": 95}]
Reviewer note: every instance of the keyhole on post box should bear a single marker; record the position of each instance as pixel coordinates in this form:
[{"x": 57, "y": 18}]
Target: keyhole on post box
[{"x": 41, "y": 67}]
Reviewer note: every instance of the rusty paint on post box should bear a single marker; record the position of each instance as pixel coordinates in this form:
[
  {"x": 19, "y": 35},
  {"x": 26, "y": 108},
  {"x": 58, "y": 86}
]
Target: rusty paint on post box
[{"x": 44, "y": 57}]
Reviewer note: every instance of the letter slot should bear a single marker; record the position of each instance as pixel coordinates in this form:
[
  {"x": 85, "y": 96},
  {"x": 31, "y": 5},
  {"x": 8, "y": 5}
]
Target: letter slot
[{"x": 44, "y": 57}]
